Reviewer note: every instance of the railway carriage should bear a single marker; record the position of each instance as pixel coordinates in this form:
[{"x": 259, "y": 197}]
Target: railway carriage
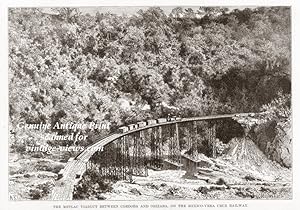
[
  {"x": 161, "y": 120},
  {"x": 151, "y": 122},
  {"x": 123, "y": 129},
  {"x": 141, "y": 124},
  {"x": 132, "y": 126}
]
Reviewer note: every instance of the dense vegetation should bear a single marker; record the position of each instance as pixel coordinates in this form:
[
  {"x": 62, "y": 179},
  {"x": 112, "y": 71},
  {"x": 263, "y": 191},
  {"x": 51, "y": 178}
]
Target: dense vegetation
[{"x": 67, "y": 66}]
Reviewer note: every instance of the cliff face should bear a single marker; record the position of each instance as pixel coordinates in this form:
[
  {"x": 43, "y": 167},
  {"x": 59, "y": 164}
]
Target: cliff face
[{"x": 275, "y": 140}]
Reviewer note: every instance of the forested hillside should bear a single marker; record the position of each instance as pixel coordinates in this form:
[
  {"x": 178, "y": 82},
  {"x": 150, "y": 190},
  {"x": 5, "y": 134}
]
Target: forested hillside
[{"x": 71, "y": 66}]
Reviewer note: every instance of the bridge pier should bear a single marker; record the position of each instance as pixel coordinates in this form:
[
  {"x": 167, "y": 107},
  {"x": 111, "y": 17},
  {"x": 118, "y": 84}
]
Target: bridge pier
[
  {"x": 138, "y": 160},
  {"x": 212, "y": 137},
  {"x": 156, "y": 145},
  {"x": 173, "y": 159}
]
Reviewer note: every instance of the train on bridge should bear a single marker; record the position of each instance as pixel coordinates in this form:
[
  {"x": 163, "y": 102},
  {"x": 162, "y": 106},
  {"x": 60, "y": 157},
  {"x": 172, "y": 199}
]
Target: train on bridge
[{"x": 141, "y": 124}]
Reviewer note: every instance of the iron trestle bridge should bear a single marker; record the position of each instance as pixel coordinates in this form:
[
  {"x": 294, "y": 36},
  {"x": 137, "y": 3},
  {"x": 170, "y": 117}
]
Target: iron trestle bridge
[{"x": 135, "y": 148}]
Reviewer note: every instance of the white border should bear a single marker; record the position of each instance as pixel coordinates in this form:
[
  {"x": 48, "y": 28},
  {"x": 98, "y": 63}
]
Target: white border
[{"x": 45, "y": 205}]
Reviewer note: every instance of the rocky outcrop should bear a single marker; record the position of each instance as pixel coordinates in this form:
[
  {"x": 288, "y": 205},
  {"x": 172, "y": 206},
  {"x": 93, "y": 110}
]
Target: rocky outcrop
[{"x": 275, "y": 140}]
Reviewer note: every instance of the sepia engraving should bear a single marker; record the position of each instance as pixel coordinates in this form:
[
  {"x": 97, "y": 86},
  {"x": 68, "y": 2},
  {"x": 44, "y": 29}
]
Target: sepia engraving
[{"x": 150, "y": 103}]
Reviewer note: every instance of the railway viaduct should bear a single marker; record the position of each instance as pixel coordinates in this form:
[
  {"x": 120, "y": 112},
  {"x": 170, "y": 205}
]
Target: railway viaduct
[{"x": 135, "y": 148}]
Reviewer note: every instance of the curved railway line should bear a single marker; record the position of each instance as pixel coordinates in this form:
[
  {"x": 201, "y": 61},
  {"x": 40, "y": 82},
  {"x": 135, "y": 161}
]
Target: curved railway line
[{"x": 74, "y": 169}]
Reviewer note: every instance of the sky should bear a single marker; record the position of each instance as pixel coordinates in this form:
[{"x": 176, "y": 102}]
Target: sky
[{"x": 129, "y": 10}]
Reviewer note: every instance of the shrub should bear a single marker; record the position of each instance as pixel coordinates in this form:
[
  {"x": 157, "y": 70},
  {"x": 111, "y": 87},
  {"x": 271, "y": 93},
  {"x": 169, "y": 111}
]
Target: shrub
[
  {"x": 57, "y": 168},
  {"x": 279, "y": 107},
  {"x": 221, "y": 181},
  {"x": 40, "y": 191},
  {"x": 35, "y": 194}
]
